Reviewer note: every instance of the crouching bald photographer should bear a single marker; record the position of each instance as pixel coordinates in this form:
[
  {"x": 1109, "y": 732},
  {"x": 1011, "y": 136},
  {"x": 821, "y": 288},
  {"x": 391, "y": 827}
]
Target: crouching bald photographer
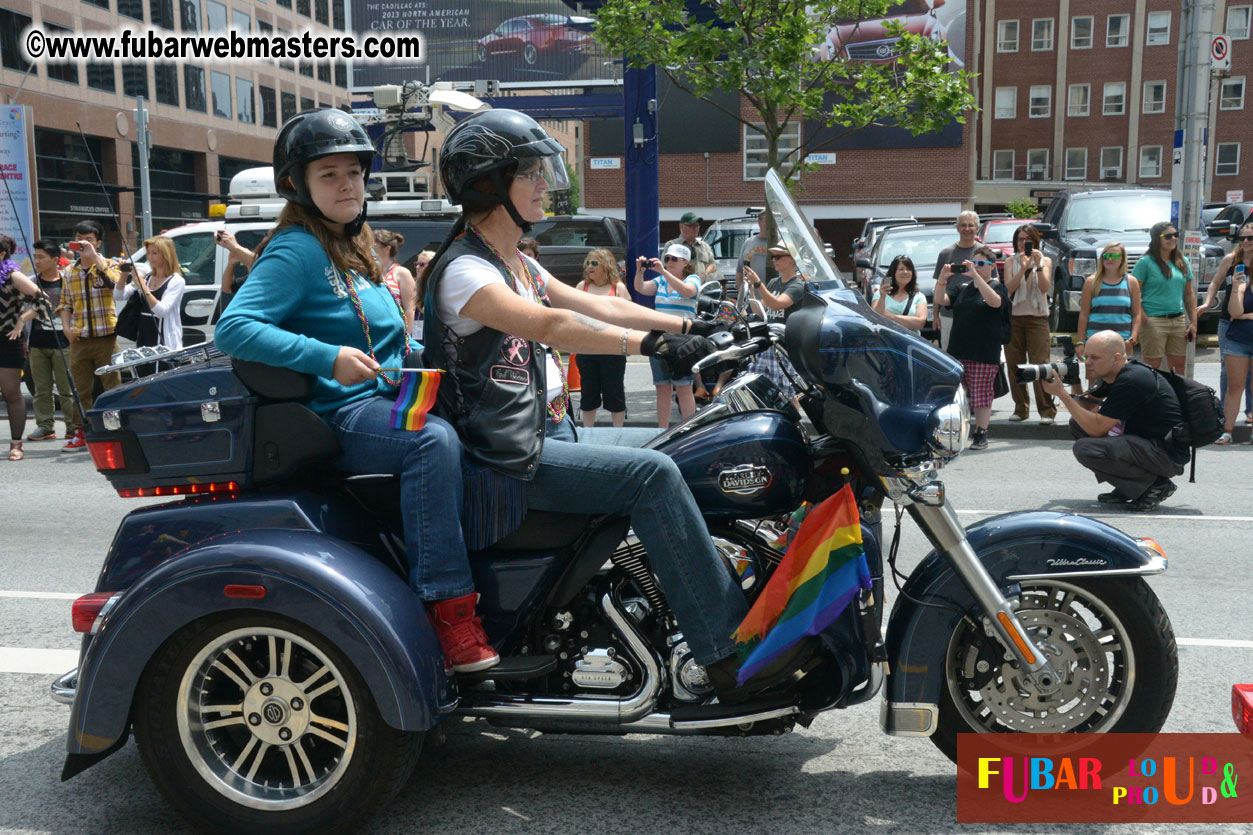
[{"x": 1124, "y": 430}]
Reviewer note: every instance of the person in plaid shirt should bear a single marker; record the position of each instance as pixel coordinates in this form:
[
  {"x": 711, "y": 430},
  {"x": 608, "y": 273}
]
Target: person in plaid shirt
[{"x": 88, "y": 319}]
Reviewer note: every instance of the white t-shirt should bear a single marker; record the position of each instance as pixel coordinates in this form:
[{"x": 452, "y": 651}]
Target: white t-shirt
[{"x": 469, "y": 274}]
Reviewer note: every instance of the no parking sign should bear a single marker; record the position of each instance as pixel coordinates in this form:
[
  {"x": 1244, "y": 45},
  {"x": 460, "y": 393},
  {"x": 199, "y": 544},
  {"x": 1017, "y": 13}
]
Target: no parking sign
[{"x": 1220, "y": 53}]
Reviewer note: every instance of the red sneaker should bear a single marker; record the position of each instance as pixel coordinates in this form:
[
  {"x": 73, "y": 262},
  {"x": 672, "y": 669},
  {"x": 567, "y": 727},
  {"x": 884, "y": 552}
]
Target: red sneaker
[
  {"x": 461, "y": 634},
  {"x": 78, "y": 443}
]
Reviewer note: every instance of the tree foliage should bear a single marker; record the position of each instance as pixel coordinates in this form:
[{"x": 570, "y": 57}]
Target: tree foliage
[
  {"x": 770, "y": 51},
  {"x": 1022, "y": 208}
]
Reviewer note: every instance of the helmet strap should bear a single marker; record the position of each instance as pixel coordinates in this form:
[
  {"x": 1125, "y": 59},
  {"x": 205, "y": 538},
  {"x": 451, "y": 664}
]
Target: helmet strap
[
  {"x": 353, "y": 228},
  {"x": 502, "y": 192}
]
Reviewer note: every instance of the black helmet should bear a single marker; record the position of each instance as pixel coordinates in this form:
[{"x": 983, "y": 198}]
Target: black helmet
[
  {"x": 492, "y": 145},
  {"x": 312, "y": 135}
]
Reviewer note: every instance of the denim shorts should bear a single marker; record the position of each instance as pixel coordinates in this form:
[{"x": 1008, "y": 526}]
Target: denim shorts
[
  {"x": 661, "y": 374},
  {"x": 1231, "y": 348}
]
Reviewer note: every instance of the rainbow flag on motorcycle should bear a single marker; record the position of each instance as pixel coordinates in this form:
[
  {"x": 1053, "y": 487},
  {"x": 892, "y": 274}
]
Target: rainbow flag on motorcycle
[
  {"x": 822, "y": 571},
  {"x": 415, "y": 399}
]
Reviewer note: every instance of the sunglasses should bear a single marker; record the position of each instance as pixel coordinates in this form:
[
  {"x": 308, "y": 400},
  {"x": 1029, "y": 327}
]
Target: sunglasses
[
  {"x": 775, "y": 256},
  {"x": 591, "y": 262},
  {"x": 1246, "y": 237},
  {"x": 983, "y": 263},
  {"x": 1111, "y": 256},
  {"x": 670, "y": 258},
  {"x": 1170, "y": 236}
]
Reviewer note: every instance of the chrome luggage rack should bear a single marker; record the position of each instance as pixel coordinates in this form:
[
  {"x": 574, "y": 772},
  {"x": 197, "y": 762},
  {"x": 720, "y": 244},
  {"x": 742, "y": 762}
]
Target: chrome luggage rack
[{"x": 131, "y": 357}]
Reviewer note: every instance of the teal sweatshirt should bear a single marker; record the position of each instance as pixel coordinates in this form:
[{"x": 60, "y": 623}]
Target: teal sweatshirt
[{"x": 294, "y": 311}]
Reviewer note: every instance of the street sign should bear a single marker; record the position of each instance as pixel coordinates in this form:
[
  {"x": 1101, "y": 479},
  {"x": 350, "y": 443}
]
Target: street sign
[
  {"x": 1235, "y": 195},
  {"x": 822, "y": 158},
  {"x": 604, "y": 163},
  {"x": 1220, "y": 53}
]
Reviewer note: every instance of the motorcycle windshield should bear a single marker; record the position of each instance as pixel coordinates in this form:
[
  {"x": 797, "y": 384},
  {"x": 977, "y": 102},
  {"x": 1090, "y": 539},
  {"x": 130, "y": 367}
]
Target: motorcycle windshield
[{"x": 884, "y": 381}]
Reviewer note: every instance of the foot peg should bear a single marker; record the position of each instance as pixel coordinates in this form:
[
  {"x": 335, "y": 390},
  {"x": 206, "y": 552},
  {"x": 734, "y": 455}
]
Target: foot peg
[{"x": 515, "y": 668}]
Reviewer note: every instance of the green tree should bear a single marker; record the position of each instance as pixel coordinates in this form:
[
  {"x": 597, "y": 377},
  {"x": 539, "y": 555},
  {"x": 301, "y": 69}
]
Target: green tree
[
  {"x": 773, "y": 52},
  {"x": 1022, "y": 208}
]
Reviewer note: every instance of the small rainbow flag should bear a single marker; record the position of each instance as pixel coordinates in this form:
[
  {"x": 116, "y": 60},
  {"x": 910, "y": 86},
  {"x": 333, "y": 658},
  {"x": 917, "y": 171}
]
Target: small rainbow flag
[
  {"x": 416, "y": 397},
  {"x": 821, "y": 573}
]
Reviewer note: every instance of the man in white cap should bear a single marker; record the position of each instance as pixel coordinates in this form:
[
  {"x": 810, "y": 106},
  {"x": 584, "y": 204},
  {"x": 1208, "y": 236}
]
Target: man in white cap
[{"x": 702, "y": 256}]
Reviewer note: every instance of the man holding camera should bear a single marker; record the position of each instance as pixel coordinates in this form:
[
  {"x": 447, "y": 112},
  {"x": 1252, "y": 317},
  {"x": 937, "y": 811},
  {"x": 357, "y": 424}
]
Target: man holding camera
[
  {"x": 1126, "y": 436},
  {"x": 88, "y": 319}
]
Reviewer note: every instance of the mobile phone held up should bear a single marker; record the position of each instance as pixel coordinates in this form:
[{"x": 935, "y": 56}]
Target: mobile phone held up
[
  {"x": 957, "y": 269},
  {"x": 74, "y": 246},
  {"x": 1028, "y": 248}
]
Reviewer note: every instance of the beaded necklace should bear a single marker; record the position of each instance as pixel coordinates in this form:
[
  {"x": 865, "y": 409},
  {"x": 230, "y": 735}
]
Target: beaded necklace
[
  {"x": 365, "y": 324},
  {"x": 563, "y": 402}
]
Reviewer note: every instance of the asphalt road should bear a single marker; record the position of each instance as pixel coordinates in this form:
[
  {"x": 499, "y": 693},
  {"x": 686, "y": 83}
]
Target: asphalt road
[{"x": 841, "y": 775}]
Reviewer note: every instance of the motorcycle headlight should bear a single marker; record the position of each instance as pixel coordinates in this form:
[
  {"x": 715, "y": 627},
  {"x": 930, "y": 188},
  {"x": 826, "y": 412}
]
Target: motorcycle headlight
[{"x": 949, "y": 426}]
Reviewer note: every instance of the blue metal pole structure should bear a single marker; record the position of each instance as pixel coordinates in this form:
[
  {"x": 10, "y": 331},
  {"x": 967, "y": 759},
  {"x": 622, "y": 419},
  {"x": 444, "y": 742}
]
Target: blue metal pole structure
[{"x": 639, "y": 106}]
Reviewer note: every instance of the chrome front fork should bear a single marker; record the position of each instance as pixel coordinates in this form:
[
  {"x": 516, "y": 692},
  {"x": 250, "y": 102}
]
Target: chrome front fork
[{"x": 929, "y": 508}]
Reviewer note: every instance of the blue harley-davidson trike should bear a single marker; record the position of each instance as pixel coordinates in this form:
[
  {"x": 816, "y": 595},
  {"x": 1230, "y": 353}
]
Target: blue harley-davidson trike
[{"x": 257, "y": 635}]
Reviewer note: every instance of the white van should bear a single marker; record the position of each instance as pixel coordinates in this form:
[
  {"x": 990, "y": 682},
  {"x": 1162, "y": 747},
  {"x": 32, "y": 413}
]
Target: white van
[{"x": 251, "y": 213}]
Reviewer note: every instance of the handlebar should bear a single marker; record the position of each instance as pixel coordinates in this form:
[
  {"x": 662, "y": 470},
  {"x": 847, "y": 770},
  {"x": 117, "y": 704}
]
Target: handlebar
[{"x": 754, "y": 346}]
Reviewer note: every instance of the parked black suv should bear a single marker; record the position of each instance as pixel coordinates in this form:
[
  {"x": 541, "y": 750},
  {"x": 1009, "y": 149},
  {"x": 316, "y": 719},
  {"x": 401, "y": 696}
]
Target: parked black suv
[{"x": 1080, "y": 222}]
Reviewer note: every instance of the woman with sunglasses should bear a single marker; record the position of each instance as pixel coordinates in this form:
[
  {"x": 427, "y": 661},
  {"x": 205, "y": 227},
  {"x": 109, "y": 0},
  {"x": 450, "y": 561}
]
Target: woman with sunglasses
[
  {"x": 1110, "y": 300},
  {"x": 603, "y": 375},
  {"x": 977, "y": 299},
  {"x": 675, "y": 287},
  {"x": 1237, "y": 264},
  {"x": 898, "y": 298},
  {"x": 1028, "y": 280},
  {"x": 1168, "y": 299},
  {"x": 780, "y": 298}
]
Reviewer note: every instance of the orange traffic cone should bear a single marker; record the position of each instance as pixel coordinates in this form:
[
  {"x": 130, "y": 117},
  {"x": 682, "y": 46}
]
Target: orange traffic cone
[{"x": 573, "y": 381}]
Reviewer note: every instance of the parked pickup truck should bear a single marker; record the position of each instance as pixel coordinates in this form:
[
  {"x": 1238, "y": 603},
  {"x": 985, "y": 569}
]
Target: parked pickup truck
[{"x": 1080, "y": 222}]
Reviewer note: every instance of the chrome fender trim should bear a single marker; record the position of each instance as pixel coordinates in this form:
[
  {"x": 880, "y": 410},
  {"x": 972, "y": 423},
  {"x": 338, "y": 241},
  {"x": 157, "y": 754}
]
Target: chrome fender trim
[
  {"x": 65, "y": 687},
  {"x": 909, "y": 718},
  {"x": 1156, "y": 565}
]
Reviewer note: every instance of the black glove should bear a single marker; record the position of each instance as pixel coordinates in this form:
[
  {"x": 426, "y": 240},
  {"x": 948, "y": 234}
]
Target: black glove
[
  {"x": 677, "y": 350},
  {"x": 703, "y": 327}
]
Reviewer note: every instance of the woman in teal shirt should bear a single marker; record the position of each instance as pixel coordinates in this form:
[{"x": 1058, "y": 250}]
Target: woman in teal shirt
[{"x": 1168, "y": 299}]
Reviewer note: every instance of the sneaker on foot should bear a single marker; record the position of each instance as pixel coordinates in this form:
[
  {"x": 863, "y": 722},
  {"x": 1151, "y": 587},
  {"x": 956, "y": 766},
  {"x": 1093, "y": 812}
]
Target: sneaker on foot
[
  {"x": 78, "y": 443},
  {"x": 1046, "y": 421},
  {"x": 1145, "y": 503},
  {"x": 980, "y": 439},
  {"x": 1163, "y": 489},
  {"x": 461, "y": 635},
  {"x": 42, "y": 435},
  {"x": 1113, "y": 497},
  {"x": 1017, "y": 418}
]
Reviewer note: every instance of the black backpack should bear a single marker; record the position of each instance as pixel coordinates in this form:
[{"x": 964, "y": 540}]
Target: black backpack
[{"x": 1202, "y": 415}]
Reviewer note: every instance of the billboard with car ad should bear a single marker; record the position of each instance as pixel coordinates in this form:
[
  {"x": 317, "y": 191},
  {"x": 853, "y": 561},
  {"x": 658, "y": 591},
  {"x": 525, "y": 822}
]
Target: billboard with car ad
[{"x": 520, "y": 43}]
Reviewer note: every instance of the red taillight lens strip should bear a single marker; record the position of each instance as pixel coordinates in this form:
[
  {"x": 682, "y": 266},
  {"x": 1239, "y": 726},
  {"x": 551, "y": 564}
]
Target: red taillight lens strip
[
  {"x": 107, "y": 455},
  {"x": 86, "y": 611},
  {"x": 1242, "y": 708},
  {"x": 178, "y": 490}
]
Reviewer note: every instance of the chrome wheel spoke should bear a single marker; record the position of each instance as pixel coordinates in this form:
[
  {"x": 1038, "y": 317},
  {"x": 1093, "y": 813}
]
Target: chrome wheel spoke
[
  {"x": 322, "y": 721},
  {"x": 243, "y": 668},
  {"x": 286, "y": 659},
  {"x": 244, "y": 754},
  {"x": 235, "y": 708},
  {"x": 316, "y": 731},
  {"x": 331, "y": 685},
  {"x": 304, "y": 760},
  {"x": 256, "y": 762},
  {"x": 291, "y": 766},
  {"x": 231, "y": 674},
  {"x": 223, "y": 723},
  {"x": 272, "y": 642}
]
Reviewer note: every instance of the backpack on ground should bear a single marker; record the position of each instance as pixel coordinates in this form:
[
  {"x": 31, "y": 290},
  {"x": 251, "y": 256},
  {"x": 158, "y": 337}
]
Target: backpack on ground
[{"x": 1202, "y": 415}]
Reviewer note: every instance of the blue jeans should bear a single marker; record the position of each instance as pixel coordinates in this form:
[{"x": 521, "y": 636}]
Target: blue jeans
[
  {"x": 429, "y": 464},
  {"x": 1223, "y": 325},
  {"x": 646, "y": 486}
]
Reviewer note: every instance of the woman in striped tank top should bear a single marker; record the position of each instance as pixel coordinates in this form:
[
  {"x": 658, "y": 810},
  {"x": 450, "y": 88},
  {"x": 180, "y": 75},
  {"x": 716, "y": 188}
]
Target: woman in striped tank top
[{"x": 1111, "y": 299}]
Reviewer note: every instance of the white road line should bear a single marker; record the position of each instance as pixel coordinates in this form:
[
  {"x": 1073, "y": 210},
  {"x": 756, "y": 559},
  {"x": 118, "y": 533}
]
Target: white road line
[
  {"x": 1228, "y": 643},
  {"x": 37, "y": 661},
  {"x": 1173, "y": 517},
  {"x": 40, "y": 595}
]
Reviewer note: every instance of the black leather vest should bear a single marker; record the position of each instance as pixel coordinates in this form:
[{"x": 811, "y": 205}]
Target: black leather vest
[{"x": 494, "y": 391}]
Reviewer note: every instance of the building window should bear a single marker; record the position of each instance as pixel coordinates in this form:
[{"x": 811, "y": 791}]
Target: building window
[
  {"x": 1007, "y": 36},
  {"x": 337, "y": 15},
  {"x": 302, "y": 7},
  {"x": 189, "y": 15},
  {"x": 341, "y": 74},
  {"x": 161, "y": 13},
  {"x": 306, "y": 68},
  {"x": 1111, "y": 163},
  {"x": 193, "y": 88},
  {"x": 241, "y": 20},
  {"x": 166, "y": 78},
  {"x": 1002, "y": 165},
  {"x": 1159, "y": 28},
  {"x": 1117, "y": 30},
  {"x": 1154, "y": 97},
  {"x": 1041, "y": 104},
  {"x": 1076, "y": 163},
  {"x": 1238, "y": 18},
  {"x": 286, "y": 63},
  {"x": 1115, "y": 100},
  {"x": 269, "y": 107},
  {"x": 12, "y": 25},
  {"x": 104, "y": 4},
  {"x": 324, "y": 72},
  {"x": 135, "y": 80},
  {"x": 1150, "y": 162},
  {"x": 1227, "y": 163},
  {"x": 1081, "y": 32},
  {"x": 306, "y": 103},
  {"x": 1006, "y": 103},
  {"x": 215, "y": 15},
  {"x": 66, "y": 71},
  {"x": 220, "y": 88},
  {"x": 1038, "y": 164},
  {"x": 1232, "y": 95},
  {"x": 321, "y": 12},
  {"x": 101, "y": 76},
  {"x": 286, "y": 4},
  {"x": 1042, "y": 34},
  {"x": 131, "y": 8},
  {"x": 1078, "y": 99},
  {"x": 755, "y": 165},
  {"x": 243, "y": 101},
  {"x": 289, "y": 103}
]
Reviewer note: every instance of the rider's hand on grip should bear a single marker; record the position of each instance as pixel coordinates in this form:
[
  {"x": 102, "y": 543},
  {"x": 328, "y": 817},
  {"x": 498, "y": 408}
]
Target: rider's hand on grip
[
  {"x": 701, "y": 327},
  {"x": 679, "y": 351}
]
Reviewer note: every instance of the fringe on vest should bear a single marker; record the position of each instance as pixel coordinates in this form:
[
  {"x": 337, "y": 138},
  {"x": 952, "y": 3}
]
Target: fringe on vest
[{"x": 495, "y": 505}]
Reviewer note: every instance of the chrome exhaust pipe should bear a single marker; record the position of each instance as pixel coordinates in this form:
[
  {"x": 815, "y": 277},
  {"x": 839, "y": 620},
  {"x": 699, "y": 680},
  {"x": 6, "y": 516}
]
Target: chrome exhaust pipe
[{"x": 617, "y": 711}]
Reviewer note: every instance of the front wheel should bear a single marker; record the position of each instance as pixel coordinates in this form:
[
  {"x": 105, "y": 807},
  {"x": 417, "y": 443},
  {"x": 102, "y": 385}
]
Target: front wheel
[
  {"x": 1111, "y": 642},
  {"x": 256, "y": 723}
]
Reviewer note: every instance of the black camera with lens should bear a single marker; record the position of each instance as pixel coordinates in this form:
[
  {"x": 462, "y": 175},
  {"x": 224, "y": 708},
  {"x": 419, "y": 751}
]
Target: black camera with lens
[{"x": 1067, "y": 369}]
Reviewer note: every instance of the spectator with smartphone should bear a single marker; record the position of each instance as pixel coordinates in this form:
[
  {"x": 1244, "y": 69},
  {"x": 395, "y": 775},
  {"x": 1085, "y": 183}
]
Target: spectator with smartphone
[
  {"x": 88, "y": 318},
  {"x": 675, "y": 288},
  {"x": 1028, "y": 280},
  {"x": 159, "y": 295},
  {"x": 1168, "y": 299},
  {"x": 898, "y": 298},
  {"x": 1238, "y": 262},
  {"x": 240, "y": 255},
  {"x": 976, "y": 298},
  {"x": 1238, "y": 347},
  {"x": 959, "y": 253}
]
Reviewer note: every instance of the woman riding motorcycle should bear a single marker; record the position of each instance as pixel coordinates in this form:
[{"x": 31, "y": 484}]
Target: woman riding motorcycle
[
  {"x": 494, "y": 317},
  {"x": 316, "y": 302}
]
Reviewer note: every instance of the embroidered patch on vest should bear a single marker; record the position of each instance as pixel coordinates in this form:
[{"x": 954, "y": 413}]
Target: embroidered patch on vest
[
  {"x": 516, "y": 351},
  {"x": 509, "y": 374}
]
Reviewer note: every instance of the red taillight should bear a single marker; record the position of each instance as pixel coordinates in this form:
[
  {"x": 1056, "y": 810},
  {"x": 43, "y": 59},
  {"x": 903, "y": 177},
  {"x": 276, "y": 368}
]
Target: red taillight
[
  {"x": 85, "y": 610},
  {"x": 107, "y": 455},
  {"x": 1242, "y": 708},
  {"x": 178, "y": 490},
  {"x": 246, "y": 592}
]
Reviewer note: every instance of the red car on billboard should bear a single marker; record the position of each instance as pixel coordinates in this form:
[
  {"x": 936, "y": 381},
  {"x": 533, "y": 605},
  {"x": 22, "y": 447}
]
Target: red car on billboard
[
  {"x": 869, "y": 41},
  {"x": 533, "y": 36}
]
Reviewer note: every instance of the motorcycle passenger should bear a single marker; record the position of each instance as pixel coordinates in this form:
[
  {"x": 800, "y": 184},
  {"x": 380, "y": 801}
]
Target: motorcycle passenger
[
  {"x": 976, "y": 298},
  {"x": 316, "y": 302},
  {"x": 493, "y": 318}
]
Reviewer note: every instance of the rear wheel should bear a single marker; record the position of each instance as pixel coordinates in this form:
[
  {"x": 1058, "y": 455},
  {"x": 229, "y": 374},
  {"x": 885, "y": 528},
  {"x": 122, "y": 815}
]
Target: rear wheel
[
  {"x": 253, "y": 722},
  {"x": 1110, "y": 641},
  {"x": 529, "y": 53}
]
